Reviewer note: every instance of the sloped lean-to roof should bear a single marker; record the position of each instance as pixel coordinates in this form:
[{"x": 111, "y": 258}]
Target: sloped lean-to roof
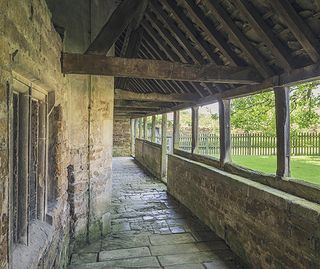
[{"x": 278, "y": 39}]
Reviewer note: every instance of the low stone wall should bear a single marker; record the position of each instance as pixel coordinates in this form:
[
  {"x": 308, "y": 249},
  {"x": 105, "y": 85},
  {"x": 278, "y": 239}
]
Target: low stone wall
[
  {"x": 266, "y": 227},
  {"x": 148, "y": 154}
]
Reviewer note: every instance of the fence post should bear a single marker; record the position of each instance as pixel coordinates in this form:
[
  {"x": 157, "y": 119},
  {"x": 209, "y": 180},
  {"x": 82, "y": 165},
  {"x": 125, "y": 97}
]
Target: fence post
[
  {"x": 225, "y": 134},
  {"x": 140, "y": 128},
  {"x": 283, "y": 130}
]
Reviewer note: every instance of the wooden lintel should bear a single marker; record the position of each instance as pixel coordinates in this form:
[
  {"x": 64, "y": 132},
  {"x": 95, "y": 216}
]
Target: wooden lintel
[
  {"x": 156, "y": 69},
  {"x": 155, "y": 97}
]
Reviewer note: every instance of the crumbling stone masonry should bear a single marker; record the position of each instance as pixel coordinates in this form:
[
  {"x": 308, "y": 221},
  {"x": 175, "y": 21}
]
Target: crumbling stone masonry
[{"x": 79, "y": 128}]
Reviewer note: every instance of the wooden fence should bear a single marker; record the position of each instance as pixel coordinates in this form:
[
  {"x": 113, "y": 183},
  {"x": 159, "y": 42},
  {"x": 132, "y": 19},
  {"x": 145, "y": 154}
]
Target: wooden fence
[{"x": 302, "y": 144}]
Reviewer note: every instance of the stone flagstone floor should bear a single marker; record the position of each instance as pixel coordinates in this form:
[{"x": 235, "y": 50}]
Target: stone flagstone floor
[{"x": 151, "y": 230}]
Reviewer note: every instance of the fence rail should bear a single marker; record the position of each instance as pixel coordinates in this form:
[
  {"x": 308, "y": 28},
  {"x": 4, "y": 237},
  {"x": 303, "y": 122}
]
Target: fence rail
[{"x": 302, "y": 144}]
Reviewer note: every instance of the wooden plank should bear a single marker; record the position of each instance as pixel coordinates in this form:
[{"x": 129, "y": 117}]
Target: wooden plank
[
  {"x": 281, "y": 53},
  {"x": 195, "y": 129},
  {"x": 133, "y": 109},
  {"x": 154, "y": 97},
  {"x": 299, "y": 28},
  {"x": 156, "y": 69},
  {"x": 225, "y": 133},
  {"x": 118, "y": 22},
  {"x": 253, "y": 55},
  {"x": 282, "y": 99},
  {"x": 137, "y": 104}
]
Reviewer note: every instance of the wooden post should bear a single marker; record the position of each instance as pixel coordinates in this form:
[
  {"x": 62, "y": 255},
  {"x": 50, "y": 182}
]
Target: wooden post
[
  {"x": 133, "y": 125},
  {"x": 145, "y": 128},
  {"x": 140, "y": 128},
  {"x": 164, "y": 146},
  {"x": 195, "y": 129},
  {"x": 176, "y": 129},
  {"x": 225, "y": 134},
  {"x": 282, "y": 102},
  {"x": 153, "y": 129}
]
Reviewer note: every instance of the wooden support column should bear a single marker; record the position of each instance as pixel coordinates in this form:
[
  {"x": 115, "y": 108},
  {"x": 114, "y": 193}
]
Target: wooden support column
[
  {"x": 140, "y": 128},
  {"x": 133, "y": 136},
  {"x": 164, "y": 146},
  {"x": 145, "y": 129},
  {"x": 176, "y": 129},
  {"x": 195, "y": 129},
  {"x": 153, "y": 129},
  {"x": 225, "y": 134},
  {"x": 282, "y": 102},
  {"x": 23, "y": 184}
]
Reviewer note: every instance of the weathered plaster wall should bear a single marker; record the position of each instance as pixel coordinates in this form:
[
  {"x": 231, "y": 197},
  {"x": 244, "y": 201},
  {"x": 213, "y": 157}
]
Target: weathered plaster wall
[
  {"x": 82, "y": 120},
  {"x": 121, "y": 137},
  {"x": 268, "y": 228},
  {"x": 149, "y": 156}
]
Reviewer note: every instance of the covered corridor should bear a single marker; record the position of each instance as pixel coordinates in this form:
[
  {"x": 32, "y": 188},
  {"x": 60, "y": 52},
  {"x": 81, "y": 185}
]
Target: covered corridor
[{"x": 150, "y": 229}]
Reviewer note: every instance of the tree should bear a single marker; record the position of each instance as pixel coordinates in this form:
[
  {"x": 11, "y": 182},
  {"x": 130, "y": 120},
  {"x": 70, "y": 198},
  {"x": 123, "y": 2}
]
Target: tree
[{"x": 256, "y": 113}]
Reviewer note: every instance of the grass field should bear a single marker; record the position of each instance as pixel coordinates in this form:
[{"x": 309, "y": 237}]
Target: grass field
[{"x": 306, "y": 168}]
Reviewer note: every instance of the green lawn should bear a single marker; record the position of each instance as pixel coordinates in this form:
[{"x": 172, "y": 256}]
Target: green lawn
[{"x": 302, "y": 167}]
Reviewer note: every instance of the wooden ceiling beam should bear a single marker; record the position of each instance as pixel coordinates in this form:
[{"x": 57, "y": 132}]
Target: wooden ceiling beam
[
  {"x": 117, "y": 23},
  {"x": 139, "y": 104},
  {"x": 154, "y": 97},
  {"x": 214, "y": 35},
  {"x": 281, "y": 53},
  {"x": 191, "y": 30},
  {"x": 299, "y": 28},
  {"x": 155, "y": 69},
  {"x": 253, "y": 55},
  {"x": 174, "y": 44}
]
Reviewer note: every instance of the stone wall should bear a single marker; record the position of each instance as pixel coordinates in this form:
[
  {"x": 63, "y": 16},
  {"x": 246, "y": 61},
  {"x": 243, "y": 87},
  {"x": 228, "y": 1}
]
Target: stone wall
[
  {"x": 121, "y": 137},
  {"x": 82, "y": 116},
  {"x": 148, "y": 154},
  {"x": 266, "y": 227}
]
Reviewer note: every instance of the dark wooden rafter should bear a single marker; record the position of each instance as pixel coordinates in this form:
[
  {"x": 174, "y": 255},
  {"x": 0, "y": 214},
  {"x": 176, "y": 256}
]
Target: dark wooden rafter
[
  {"x": 281, "y": 53},
  {"x": 160, "y": 42},
  {"x": 215, "y": 37},
  {"x": 155, "y": 50},
  {"x": 133, "y": 38},
  {"x": 117, "y": 23},
  {"x": 179, "y": 35},
  {"x": 156, "y": 69},
  {"x": 191, "y": 30},
  {"x": 251, "y": 52},
  {"x": 299, "y": 28},
  {"x": 174, "y": 44}
]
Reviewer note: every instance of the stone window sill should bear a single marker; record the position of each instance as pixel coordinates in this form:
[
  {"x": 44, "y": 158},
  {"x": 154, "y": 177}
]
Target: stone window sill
[{"x": 40, "y": 235}]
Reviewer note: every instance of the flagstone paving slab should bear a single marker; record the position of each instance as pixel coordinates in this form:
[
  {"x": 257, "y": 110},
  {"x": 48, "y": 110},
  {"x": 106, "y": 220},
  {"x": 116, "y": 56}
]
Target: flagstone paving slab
[{"x": 150, "y": 229}]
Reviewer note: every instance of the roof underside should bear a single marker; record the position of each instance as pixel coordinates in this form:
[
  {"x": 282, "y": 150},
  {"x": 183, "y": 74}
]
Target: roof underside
[{"x": 271, "y": 36}]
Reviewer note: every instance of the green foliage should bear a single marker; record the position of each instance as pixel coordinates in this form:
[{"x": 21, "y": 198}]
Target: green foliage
[{"x": 257, "y": 112}]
